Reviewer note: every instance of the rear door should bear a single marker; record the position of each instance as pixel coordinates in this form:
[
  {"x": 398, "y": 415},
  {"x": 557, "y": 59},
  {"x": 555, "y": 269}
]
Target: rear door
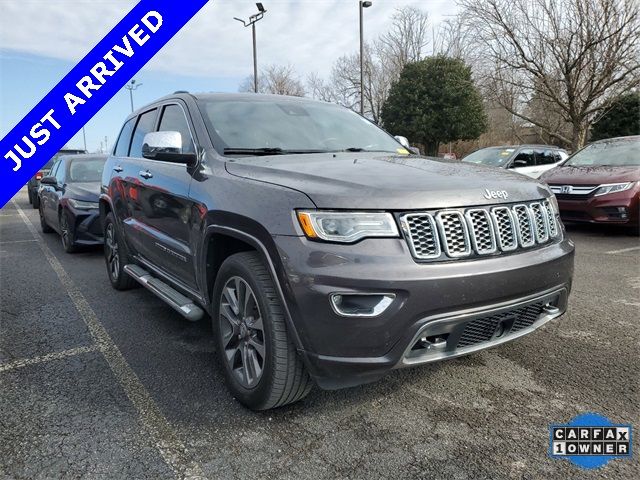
[
  {"x": 164, "y": 216},
  {"x": 126, "y": 184},
  {"x": 546, "y": 159}
]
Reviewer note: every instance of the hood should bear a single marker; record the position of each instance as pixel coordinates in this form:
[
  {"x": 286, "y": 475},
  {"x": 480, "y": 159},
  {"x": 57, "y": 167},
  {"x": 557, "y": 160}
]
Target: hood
[
  {"x": 374, "y": 181},
  {"x": 88, "y": 192},
  {"x": 571, "y": 175}
]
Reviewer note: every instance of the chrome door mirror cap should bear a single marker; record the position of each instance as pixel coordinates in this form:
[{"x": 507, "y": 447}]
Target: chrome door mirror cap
[
  {"x": 404, "y": 141},
  {"x": 166, "y": 146}
]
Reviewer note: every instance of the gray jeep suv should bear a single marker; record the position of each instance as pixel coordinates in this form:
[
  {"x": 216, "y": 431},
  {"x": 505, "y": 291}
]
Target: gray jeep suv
[{"x": 323, "y": 250}]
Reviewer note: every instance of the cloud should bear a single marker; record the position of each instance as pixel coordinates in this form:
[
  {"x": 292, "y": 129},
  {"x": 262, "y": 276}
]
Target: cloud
[{"x": 308, "y": 34}]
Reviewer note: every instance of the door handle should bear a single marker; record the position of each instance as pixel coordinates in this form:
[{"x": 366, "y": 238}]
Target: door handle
[
  {"x": 146, "y": 174},
  {"x": 118, "y": 169}
]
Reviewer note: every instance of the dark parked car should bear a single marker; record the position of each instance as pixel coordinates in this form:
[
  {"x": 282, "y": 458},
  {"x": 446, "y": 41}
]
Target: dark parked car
[
  {"x": 69, "y": 200},
  {"x": 529, "y": 160},
  {"x": 321, "y": 249},
  {"x": 34, "y": 182},
  {"x": 600, "y": 183}
]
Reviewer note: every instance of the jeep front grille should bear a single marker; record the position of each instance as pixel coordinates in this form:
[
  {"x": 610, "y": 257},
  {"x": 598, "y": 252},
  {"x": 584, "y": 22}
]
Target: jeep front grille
[{"x": 459, "y": 233}]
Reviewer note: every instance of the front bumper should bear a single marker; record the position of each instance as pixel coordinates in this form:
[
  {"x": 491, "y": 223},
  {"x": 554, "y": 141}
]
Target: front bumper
[
  {"x": 87, "y": 227},
  {"x": 344, "y": 351},
  {"x": 602, "y": 209}
]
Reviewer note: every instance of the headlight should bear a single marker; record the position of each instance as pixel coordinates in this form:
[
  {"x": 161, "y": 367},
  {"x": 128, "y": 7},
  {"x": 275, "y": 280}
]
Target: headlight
[
  {"x": 82, "y": 205},
  {"x": 346, "y": 227},
  {"x": 613, "y": 188}
]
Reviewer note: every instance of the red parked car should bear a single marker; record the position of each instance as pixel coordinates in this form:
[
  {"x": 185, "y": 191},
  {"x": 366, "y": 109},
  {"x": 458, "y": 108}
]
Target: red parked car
[{"x": 600, "y": 183}]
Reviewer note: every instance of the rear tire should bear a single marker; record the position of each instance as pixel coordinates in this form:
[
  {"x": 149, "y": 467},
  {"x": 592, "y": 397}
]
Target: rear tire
[
  {"x": 30, "y": 195},
  {"x": 260, "y": 363},
  {"x": 116, "y": 256}
]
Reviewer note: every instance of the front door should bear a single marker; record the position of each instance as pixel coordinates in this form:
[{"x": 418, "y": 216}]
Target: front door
[{"x": 164, "y": 215}]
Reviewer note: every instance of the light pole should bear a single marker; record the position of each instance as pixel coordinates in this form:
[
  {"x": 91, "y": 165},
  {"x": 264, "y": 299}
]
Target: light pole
[
  {"x": 131, "y": 86},
  {"x": 252, "y": 23},
  {"x": 84, "y": 137},
  {"x": 363, "y": 5}
]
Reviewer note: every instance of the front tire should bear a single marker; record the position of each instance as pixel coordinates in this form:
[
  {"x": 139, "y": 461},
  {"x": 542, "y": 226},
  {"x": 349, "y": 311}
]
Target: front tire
[
  {"x": 35, "y": 203},
  {"x": 116, "y": 256},
  {"x": 43, "y": 223},
  {"x": 260, "y": 363},
  {"x": 66, "y": 233}
]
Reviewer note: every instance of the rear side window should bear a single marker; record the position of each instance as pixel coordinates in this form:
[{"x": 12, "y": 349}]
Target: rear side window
[
  {"x": 173, "y": 120},
  {"x": 145, "y": 125},
  {"x": 122, "y": 147},
  {"x": 546, "y": 157},
  {"x": 524, "y": 159}
]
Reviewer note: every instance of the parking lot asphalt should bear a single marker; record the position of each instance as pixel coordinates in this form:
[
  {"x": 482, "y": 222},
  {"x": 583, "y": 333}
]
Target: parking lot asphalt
[{"x": 96, "y": 383}]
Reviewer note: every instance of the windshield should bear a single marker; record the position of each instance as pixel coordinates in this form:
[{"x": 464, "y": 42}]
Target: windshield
[
  {"x": 85, "y": 170},
  {"x": 490, "y": 156},
  {"x": 285, "y": 126},
  {"x": 49, "y": 164},
  {"x": 615, "y": 153}
]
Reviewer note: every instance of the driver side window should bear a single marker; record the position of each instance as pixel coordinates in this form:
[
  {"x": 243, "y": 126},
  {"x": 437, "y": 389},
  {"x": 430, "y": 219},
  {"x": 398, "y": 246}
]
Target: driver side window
[
  {"x": 525, "y": 158},
  {"x": 60, "y": 172}
]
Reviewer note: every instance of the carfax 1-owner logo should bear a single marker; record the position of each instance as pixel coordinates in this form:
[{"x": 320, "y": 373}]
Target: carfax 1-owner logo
[{"x": 590, "y": 441}]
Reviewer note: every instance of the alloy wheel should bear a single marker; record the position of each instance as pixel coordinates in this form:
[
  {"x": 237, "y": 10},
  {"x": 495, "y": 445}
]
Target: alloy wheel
[
  {"x": 113, "y": 256},
  {"x": 242, "y": 332},
  {"x": 64, "y": 231}
]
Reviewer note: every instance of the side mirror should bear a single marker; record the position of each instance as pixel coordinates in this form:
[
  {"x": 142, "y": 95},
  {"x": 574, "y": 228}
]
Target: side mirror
[
  {"x": 403, "y": 141},
  {"x": 167, "y": 147},
  {"x": 49, "y": 181}
]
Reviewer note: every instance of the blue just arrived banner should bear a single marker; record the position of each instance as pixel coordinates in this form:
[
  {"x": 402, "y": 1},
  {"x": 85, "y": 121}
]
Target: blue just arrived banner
[{"x": 88, "y": 87}]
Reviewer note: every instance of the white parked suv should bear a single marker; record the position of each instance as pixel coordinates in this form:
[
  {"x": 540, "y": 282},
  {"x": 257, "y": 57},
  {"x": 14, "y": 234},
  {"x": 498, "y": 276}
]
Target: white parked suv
[{"x": 529, "y": 160}]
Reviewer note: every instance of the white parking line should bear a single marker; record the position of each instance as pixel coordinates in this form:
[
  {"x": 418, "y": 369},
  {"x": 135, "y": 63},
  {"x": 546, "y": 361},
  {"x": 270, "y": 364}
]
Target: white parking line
[
  {"x": 17, "y": 241},
  {"x": 160, "y": 431},
  {"x": 25, "y": 362},
  {"x": 624, "y": 250}
]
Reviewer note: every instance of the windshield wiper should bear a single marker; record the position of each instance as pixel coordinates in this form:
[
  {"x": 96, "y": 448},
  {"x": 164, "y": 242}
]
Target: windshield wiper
[
  {"x": 358, "y": 149},
  {"x": 267, "y": 151}
]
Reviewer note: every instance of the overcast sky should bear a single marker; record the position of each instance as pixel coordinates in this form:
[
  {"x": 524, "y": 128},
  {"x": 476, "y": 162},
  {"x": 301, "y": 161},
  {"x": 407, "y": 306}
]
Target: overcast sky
[{"x": 41, "y": 40}]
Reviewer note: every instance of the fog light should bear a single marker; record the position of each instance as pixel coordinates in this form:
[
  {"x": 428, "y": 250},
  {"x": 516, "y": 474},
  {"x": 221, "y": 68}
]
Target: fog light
[{"x": 361, "y": 304}]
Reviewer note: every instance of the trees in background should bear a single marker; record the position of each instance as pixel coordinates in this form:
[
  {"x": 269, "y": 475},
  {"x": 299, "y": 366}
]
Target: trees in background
[
  {"x": 547, "y": 69},
  {"x": 435, "y": 101},
  {"x": 405, "y": 42},
  {"x": 621, "y": 119},
  {"x": 565, "y": 59},
  {"x": 277, "y": 80}
]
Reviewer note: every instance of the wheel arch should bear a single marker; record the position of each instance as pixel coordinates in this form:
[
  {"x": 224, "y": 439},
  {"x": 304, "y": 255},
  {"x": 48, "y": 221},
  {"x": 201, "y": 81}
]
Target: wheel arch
[{"x": 238, "y": 241}]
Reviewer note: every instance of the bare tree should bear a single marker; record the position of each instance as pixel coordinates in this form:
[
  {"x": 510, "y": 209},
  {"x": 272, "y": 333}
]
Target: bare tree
[
  {"x": 572, "y": 56},
  {"x": 452, "y": 39},
  {"x": 407, "y": 39},
  {"x": 278, "y": 80},
  {"x": 384, "y": 60}
]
